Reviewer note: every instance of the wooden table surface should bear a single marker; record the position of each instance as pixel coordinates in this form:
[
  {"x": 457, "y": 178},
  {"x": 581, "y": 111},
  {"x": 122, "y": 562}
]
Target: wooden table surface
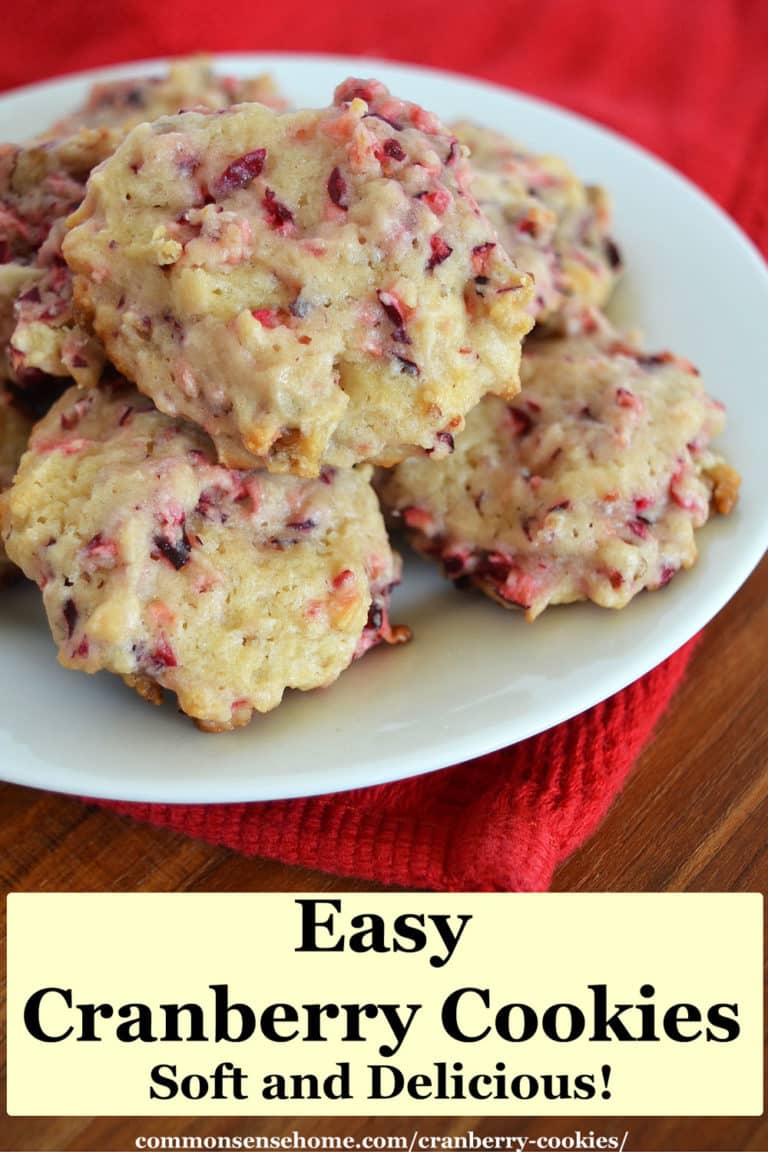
[{"x": 692, "y": 817}]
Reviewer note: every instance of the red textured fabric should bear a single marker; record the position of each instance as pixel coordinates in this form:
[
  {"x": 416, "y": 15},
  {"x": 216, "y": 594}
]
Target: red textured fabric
[{"x": 686, "y": 81}]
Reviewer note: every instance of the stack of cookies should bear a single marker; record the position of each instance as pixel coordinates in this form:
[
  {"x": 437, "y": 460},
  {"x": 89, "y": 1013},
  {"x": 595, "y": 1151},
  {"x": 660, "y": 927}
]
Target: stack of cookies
[{"x": 258, "y": 306}]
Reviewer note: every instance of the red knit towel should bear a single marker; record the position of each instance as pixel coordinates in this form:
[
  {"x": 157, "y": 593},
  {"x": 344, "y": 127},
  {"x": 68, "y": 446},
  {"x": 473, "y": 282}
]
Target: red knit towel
[{"x": 688, "y": 82}]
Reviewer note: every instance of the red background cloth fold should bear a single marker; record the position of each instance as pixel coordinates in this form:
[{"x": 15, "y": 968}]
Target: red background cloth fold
[{"x": 686, "y": 81}]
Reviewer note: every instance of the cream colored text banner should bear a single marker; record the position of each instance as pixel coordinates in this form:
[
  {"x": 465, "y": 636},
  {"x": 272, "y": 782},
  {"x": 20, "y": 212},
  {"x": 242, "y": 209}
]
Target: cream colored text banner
[{"x": 392, "y": 1004}]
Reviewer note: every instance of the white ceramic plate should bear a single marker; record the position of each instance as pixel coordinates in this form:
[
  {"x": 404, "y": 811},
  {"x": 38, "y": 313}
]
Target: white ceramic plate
[{"x": 474, "y": 678}]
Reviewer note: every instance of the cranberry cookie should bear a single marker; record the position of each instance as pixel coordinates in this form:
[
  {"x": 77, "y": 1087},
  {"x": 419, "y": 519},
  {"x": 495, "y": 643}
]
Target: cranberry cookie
[
  {"x": 589, "y": 487},
  {"x": 41, "y": 183},
  {"x": 551, "y": 224},
  {"x": 157, "y": 563},
  {"x": 312, "y": 288},
  {"x": 14, "y": 433},
  {"x": 189, "y": 83}
]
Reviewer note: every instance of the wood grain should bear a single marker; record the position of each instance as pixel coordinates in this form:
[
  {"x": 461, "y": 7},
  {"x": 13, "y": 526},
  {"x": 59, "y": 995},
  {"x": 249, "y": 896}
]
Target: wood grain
[{"x": 692, "y": 817}]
